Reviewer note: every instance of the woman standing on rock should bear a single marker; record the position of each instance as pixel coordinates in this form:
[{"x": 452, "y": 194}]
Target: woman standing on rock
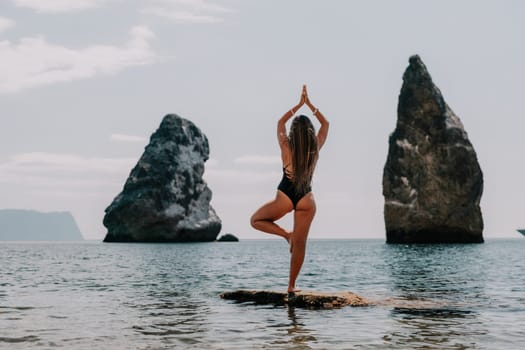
[{"x": 299, "y": 153}]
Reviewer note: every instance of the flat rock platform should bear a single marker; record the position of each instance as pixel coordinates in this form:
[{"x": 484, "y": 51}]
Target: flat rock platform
[{"x": 306, "y": 299}]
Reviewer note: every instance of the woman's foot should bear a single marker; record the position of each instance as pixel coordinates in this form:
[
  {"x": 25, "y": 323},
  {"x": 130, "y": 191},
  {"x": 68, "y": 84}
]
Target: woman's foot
[
  {"x": 289, "y": 240},
  {"x": 293, "y": 290}
]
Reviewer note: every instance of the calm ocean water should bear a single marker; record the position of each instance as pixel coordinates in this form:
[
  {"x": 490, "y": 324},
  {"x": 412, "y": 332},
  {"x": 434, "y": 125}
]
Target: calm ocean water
[{"x": 153, "y": 296}]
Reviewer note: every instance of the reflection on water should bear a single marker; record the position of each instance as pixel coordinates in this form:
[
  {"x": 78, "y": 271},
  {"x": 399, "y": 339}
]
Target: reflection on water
[
  {"x": 435, "y": 275},
  {"x": 298, "y": 333}
]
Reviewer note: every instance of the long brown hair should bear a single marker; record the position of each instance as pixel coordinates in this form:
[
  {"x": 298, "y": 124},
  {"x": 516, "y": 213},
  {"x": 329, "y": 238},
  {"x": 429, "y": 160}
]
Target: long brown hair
[{"x": 303, "y": 146}]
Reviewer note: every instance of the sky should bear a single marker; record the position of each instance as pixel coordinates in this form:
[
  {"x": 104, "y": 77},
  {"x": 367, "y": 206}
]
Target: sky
[{"x": 84, "y": 83}]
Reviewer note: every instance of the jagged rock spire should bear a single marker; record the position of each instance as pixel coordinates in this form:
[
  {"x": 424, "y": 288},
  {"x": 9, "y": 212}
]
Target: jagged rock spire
[{"x": 432, "y": 181}]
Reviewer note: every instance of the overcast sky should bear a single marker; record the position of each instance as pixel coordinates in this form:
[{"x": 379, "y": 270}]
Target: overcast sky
[{"x": 84, "y": 83}]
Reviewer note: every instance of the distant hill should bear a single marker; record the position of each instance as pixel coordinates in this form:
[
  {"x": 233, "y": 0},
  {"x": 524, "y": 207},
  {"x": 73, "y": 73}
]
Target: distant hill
[{"x": 30, "y": 225}]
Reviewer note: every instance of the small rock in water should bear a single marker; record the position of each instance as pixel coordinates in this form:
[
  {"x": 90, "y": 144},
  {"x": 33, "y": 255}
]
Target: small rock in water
[
  {"x": 315, "y": 300},
  {"x": 228, "y": 237},
  {"x": 165, "y": 198}
]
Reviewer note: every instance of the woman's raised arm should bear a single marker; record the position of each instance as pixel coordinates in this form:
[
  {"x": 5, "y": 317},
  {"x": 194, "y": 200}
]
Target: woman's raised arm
[
  {"x": 323, "y": 130},
  {"x": 281, "y": 124}
]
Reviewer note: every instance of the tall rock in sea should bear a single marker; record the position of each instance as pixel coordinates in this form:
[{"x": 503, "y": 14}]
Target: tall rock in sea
[
  {"x": 432, "y": 181},
  {"x": 165, "y": 198}
]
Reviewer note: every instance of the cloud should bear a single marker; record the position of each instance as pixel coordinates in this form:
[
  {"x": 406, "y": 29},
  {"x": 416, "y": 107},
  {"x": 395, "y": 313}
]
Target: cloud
[
  {"x": 242, "y": 172},
  {"x": 35, "y": 62},
  {"x": 233, "y": 178},
  {"x": 71, "y": 175},
  {"x": 187, "y": 11},
  {"x": 61, "y": 170},
  {"x": 127, "y": 138},
  {"x": 60, "y": 6},
  {"x": 182, "y": 16},
  {"x": 257, "y": 159},
  {"x": 5, "y": 23},
  {"x": 201, "y": 5}
]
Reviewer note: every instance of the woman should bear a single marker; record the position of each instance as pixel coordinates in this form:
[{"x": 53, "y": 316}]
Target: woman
[{"x": 299, "y": 153}]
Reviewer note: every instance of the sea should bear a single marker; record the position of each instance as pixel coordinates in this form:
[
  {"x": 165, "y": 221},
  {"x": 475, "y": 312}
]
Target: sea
[{"x": 94, "y": 295}]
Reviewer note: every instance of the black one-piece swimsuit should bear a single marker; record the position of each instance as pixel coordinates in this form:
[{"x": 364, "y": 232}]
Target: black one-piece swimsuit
[{"x": 286, "y": 186}]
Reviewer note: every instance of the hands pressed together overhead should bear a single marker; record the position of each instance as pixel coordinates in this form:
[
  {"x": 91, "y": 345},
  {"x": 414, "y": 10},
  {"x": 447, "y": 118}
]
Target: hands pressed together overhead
[{"x": 305, "y": 99}]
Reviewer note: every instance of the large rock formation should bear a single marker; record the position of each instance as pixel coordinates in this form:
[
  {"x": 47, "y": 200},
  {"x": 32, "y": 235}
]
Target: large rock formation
[
  {"x": 432, "y": 182},
  {"x": 165, "y": 198},
  {"x": 31, "y": 225}
]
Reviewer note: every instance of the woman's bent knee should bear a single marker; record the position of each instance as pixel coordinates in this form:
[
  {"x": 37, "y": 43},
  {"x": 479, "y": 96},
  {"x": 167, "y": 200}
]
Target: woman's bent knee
[{"x": 255, "y": 220}]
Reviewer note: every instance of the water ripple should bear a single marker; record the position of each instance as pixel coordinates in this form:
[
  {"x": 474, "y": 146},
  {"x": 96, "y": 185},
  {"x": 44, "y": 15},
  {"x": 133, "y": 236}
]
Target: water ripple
[{"x": 153, "y": 296}]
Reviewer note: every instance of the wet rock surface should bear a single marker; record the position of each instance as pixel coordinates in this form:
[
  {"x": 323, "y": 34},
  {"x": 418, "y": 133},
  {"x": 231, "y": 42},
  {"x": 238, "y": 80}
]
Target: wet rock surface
[{"x": 315, "y": 300}]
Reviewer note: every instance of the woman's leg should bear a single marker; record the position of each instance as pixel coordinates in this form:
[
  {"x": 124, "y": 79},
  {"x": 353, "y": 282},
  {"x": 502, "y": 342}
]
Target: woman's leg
[
  {"x": 303, "y": 216},
  {"x": 263, "y": 219}
]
